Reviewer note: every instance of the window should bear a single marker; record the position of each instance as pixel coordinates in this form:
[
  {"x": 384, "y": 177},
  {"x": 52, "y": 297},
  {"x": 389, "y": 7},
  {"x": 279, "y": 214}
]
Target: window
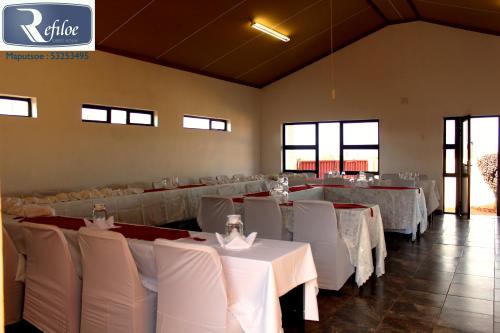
[
  {"x": 114, "y": 115},
  {"x": 204, "y": 123},
  {"x": 15, "y": 106},
  {"x": 321, "y": 147}
]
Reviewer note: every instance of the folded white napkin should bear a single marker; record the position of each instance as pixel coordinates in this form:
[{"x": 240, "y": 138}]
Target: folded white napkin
[
  {"x": 101, "y": 223},
  {"x": 236, "y": 241}
]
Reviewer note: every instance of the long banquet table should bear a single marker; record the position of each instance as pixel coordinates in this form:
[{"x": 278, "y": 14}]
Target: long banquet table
[
  {"x": 154, "y": 207},
  {"x": 255, "y": 278},
  {"x": 360, "y": 227}
]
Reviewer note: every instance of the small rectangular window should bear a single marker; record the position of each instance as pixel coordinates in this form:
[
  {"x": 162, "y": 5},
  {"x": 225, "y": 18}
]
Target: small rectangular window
[
  {"x": 195, "y": 122},
  {"x": 15, "y": 106},
  {"x": 114, "y": 115}
]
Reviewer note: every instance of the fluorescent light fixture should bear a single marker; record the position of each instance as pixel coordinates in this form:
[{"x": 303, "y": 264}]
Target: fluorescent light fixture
[{"x": 270, "y": 32}]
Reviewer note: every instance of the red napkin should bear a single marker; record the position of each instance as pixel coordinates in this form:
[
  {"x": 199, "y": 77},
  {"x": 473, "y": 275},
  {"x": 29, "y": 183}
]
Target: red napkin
[{"x": 238, "y": 200}]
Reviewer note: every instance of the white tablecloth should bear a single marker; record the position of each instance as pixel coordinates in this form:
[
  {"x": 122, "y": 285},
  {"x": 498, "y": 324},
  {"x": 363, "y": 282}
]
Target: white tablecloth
[
  {"x": 402, "y": 210},
  {"x": 431, "y": 193},
  {"x": 255, "y": 278},
  {"x": 357, "y": 227},
  {"x": 152, "y": 208}
]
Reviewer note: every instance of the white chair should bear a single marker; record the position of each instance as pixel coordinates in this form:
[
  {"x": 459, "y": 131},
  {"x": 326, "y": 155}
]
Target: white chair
[
  {"x": 403, "y": 182},
  {"x": 52, "y": 297},
  {"x": 213, "y": 213},
  {"x": 113, "y": 298},
  {"x": 208, "y": 181},
  {"x": 13, "y": 290},
  {"x": 222, "y": 179},
  {"x": 335, "y": 181},
  {"x": 264, "y": 216},
  {"x": 239, "y": 177},
  {"x": 389, "y": 176},
  {"x": 315, "y": 222},
  {"x": 192, "y": 295},
  {"x": 227, "y": 190},
  {"x": 253, "y": 187}
]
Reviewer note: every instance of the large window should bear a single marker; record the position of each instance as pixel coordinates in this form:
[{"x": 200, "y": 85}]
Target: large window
[
  {"x": 15, "y": 106},
  {"x": 321, "y": 147},
  {"x": 117, "y": 115},
  {"x": 196, "y": 122}
]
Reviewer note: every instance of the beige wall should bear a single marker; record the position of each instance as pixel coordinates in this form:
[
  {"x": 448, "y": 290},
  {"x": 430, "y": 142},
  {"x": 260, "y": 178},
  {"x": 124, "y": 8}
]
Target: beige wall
[
  {"x": 442, "y": 71},
  {"x": 58, "y": 151}
]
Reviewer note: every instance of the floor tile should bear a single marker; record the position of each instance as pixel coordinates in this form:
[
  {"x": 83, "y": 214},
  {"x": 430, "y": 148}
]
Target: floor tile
[
  {"x": 466, "y": 321},
  {"x": 469, "y": 304},
  {"x": 473, "y": 292}
]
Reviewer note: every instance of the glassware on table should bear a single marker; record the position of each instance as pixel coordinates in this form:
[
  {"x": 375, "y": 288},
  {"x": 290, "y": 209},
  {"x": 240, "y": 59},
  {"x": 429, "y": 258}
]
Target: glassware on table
[
  {"x": 175, "y": 181},
  {"x": 234, "y": 223},
  {"x": 99, "y": 212}
]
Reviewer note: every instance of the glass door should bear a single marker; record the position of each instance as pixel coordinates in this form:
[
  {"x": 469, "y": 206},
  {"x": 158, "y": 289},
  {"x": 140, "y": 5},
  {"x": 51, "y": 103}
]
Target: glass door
[{"x": 465, "y": 166}]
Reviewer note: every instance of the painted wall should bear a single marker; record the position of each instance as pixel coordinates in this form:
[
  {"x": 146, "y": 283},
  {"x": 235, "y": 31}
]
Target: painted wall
[
  {"x": 58, "y": 151},
  {"x": 441, "y": 72}
]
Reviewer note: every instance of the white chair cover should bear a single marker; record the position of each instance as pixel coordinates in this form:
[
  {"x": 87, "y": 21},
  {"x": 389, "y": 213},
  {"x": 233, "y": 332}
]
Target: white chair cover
[
  {"x": 253, "y": 187},
  {"x": 113, "y": 297},
  {"x": 336, "y": 181},
  {"x": 403, "y": 182},
  {"x": 52, "y": 296},
  {"x": 264, "y": 216},
  {"x": 213, "y": 213},
  {"x": 13, "y": 290},
  {"x": 222, "y": 179},
  {"x": 389, "y": 176},
  {"x": 192, "y": 294},
  {"x": 316, "y": 223}
]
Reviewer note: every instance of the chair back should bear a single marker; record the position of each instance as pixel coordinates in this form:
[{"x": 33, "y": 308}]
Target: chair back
[
  {"x": 191, "y": 288},
  {"x": 52, "y": 296},
  {"x": 389, "y": 176},
  {"x": 336, "y": 181},
  {"x": 112, "y": 289},
  {"x": 403, "y": 182},
  {"x": 315, "y": 222},
  {"x": 13, "y": 290},
  {"x": 213, "y": 213},
  {"x": 222, "y": 179},
  {"x": 264, "y": 216}
]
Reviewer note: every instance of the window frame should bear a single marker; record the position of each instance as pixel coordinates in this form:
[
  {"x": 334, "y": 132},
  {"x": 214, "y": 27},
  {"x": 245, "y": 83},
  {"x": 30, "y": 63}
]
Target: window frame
[
  {"x": 24, "y": 99},
  {"x": 210, "y": 120},
  {"x": 109, "y": 109},
  {"x": 342, "y": 146}
]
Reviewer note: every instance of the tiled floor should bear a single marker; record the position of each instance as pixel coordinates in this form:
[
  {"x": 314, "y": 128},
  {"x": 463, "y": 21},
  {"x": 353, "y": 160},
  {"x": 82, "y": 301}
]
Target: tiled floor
[{"x": 443, "y": 283}]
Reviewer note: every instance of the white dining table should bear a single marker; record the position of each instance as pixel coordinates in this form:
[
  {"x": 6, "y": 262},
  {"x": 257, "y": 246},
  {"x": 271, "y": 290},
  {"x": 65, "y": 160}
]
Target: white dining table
[
  {"x": 255, "y": 277},
  {"x": 156, "y": 207},
  {"x": 361, "y": 229}
]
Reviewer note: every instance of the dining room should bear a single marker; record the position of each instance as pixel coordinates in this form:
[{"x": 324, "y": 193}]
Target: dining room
[{"x": 250, "y": 166}]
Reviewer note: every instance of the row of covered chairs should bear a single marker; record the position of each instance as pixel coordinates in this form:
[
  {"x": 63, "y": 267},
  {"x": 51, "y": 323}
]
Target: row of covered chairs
[
  {"x": 315, "y": 222},
  {"x": 110, "y": 296}
]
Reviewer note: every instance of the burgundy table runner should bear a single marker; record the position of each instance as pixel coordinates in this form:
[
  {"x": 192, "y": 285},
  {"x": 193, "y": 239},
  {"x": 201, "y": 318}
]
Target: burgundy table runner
[{"x": 127, "y": 230}]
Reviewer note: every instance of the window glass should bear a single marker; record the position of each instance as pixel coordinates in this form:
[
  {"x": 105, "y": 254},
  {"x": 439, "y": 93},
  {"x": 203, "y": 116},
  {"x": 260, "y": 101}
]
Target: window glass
[
  {"x": 450, "y": 161},
  {"x": 300, "y": 134},
  {"x": 91, "y": 114},
  {"x": 218, "y": 125},
  {"x": 329, "y": 147},
  {"x": 450, "y": 194},
  {"x": 361, "y": 133},
  {"x": 141, "y": 118},
  {"x": 450, "y": 131},
  {"x": 199, "y": 123},
  {"x": 14, "y": 107},
  {"x": 118, "y": 116},
  {"x": 300, "y": 159},
  {"x": 361, "y": 160}
]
